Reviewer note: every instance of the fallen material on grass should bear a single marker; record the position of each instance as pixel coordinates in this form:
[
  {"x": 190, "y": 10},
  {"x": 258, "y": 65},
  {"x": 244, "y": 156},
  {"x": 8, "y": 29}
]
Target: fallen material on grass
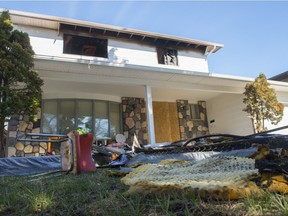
[
  {"x": 29, "y": 165},
  {"x": 192, "y": 157},
  {"x": 273, "y": 167},
  {"x": 225, "y": 178},
  {"x": 142, "y": 158},
  {"x": 276, "y": 183}
]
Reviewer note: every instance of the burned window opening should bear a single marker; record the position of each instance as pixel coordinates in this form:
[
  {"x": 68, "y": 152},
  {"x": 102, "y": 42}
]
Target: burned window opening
[
  {"x": 167, "y": 56},
  {"x": 88, "y": 46}
]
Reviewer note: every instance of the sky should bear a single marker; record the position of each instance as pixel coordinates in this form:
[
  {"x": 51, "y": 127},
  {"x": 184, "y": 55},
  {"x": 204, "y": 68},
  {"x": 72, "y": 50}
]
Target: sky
[{"x": 254, "y": 33}]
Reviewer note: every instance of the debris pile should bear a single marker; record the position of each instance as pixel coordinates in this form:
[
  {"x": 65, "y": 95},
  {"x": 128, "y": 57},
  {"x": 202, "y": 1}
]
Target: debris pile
[
  {"x": 220, "y": 168},
  {"x": 219, "y": 177}
]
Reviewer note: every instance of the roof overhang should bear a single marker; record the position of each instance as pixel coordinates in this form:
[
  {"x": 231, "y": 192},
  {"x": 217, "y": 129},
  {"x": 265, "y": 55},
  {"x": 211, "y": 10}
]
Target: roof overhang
[
  {"x": 129, "y": 80},
  {"x": 57, "y": 23}
]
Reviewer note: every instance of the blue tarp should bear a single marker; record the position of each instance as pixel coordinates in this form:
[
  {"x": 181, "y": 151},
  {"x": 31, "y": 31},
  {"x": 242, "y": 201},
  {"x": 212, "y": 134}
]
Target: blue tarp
[{"x": 29, "y": 165}]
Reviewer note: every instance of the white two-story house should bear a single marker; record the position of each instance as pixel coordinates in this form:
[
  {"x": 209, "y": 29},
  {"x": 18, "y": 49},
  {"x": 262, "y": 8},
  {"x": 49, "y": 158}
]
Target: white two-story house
[{"x": 109, "y": 80}]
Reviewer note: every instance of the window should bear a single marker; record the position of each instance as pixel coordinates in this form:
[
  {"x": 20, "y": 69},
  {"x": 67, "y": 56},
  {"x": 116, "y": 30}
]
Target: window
[
  {"x": 101, "y": 126},
  {"x": 194, "y": 111},
  {"x": 49, "y": 117},
  {"x": 167, "y": 56},
  {"x": 66, "y": 116},
  {"x": 84, "y": 115},
  {"x": 102, "y": 118},
  {"x": 114, "y": 118},
  {"x": 88, "y": 46}
]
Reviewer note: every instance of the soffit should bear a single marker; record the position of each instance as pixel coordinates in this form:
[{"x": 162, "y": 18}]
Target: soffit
[
  {"x": 56, "y": 87},
  {"x": 130, "y": 81},
  {"x": 26, "y": 20},
  {"x": 129, "y": 76},
  {"x": 58, "y": 23},
  {"x": 139, "y": 36}
]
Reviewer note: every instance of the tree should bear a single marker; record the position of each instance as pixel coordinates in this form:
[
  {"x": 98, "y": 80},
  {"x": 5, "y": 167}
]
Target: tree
[
  {"x": 20, "y": 85},
  {"x": 262, "y": 104}
]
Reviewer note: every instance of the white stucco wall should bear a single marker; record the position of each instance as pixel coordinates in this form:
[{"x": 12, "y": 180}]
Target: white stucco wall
[
  {"x": 283, "y": 122},
  {"x": 194, "y": 61},
  {"x": 48, "y": 42},
  {"x": 226, "y": 111},
  {"x": 138, "y": 54}
]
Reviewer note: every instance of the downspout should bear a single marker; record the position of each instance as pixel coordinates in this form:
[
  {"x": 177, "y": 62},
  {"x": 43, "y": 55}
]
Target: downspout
[{"x": 208, "y": 53}]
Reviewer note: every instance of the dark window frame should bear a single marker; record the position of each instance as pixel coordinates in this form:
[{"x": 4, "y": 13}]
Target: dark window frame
[
  {"x": 194, "y": 111},
  {"x": 167, "y": 56},
  {"x": 84, "y": 45},
  {"x": 75, "y": 111}
]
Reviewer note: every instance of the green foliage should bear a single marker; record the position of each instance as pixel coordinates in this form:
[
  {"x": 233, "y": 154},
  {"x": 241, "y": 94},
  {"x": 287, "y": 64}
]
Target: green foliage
[
  {"x": 261, "y": 103},
  {"x": 268, "y": 204},
  {"x": 97, "y": 194},
  {"x": 82, "y": 131},
  {"x": 20, "y": 86}
]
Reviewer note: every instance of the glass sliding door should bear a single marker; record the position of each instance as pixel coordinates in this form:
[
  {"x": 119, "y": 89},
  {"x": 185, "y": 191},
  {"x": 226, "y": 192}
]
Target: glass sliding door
[
  {"x": 101, "y": 125},
  {"x": 102, "y": 118},
  {"x": 114, "y": 119},
  {"x": 84, "y": 115},
  {"x": 66, "y": 116},
  {"x": 49, "y": 117}
]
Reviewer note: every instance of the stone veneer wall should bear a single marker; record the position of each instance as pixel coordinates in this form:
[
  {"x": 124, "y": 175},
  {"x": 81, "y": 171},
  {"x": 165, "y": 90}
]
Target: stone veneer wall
[
  {"x": 134, "y": 122},
  {"x": 18, "y": 126},
  {"x": 134, "y": 119},
  {"x": 190, "y": 128}
]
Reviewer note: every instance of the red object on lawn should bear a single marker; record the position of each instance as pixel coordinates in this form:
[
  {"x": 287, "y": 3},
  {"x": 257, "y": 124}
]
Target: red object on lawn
[{"x": 84, "y": 159}]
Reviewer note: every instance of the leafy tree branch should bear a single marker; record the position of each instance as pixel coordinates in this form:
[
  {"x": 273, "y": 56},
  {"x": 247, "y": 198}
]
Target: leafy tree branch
[
  {"x": 20, "y": 85},
  {"x": 262, "y": 104}
]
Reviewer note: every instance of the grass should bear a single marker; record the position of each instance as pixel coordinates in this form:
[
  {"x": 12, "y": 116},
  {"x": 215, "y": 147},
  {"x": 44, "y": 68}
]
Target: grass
[{"x": 97, "y": 194}]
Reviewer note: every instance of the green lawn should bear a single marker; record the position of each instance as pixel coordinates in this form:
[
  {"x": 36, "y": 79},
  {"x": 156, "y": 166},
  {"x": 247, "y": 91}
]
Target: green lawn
[{"x": 97, "y": 194}]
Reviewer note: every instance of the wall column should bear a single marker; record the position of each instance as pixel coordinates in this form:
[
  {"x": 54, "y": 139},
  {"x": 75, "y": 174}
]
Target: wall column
[
  {"x": 134, "y": 120},
  {"x": 150, "y": 117},
  {"x": 189, "y": 127}
]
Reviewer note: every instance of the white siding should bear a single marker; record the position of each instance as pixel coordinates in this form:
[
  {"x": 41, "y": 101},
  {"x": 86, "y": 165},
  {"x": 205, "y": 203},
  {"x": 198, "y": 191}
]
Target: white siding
[
  {"x": 132, "y": 53},
  {"x": 47, "y": 46},
  {"x": 194, "y": 61},
  {"x": 226, "y": 111},
  {"x": 138, "y": 54},
  {"x": 49, "y": 43}
]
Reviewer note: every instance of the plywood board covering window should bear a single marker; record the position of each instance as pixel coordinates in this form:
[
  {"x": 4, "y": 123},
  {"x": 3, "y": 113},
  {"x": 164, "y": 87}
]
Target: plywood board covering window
[{"x": 166, "y": 122}]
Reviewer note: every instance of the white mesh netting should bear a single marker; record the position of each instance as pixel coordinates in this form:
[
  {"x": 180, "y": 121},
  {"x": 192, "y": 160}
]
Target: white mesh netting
[{"x": 211, "y": 173}]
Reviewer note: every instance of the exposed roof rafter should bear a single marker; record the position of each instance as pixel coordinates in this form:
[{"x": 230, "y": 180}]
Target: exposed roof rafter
[{"x": 51, "y": 22}]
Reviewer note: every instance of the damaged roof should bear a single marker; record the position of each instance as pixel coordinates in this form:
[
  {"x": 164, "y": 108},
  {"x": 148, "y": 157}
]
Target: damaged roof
[{"x": 58, "y": 23}]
